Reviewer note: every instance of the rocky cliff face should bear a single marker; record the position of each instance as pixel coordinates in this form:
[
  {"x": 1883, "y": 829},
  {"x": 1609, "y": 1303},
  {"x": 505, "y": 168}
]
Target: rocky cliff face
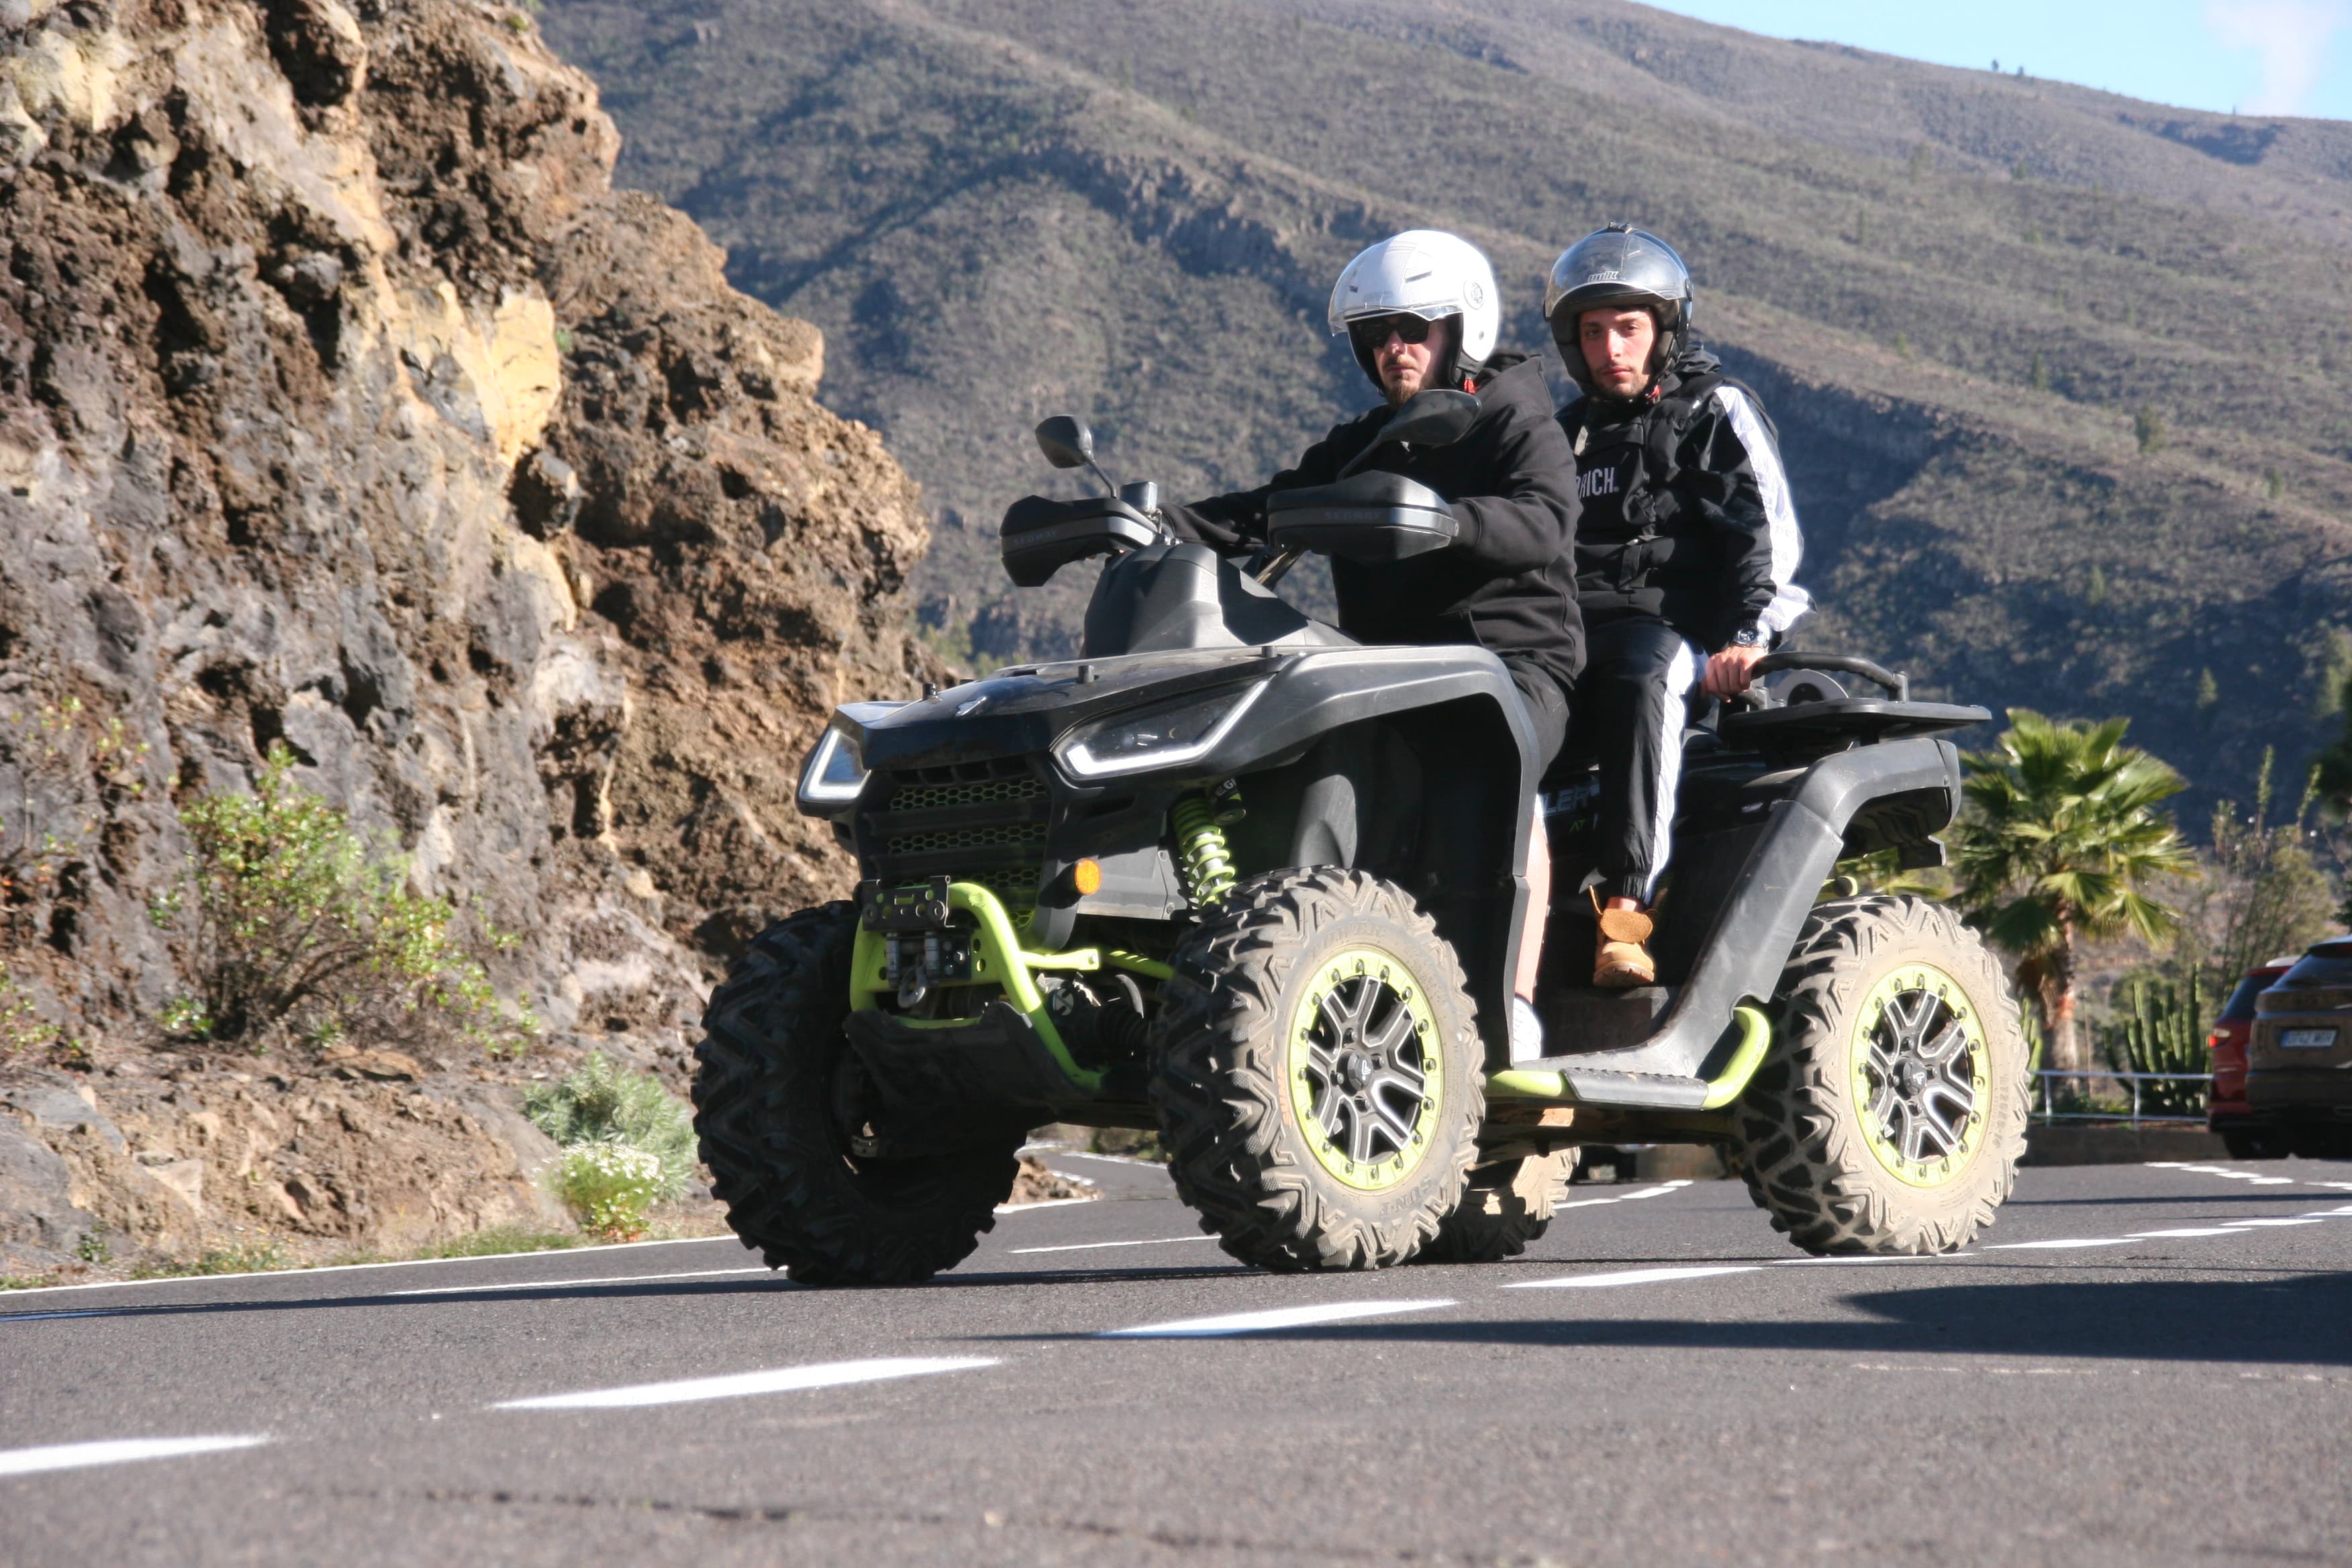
[{"x": 344, "y": 403}]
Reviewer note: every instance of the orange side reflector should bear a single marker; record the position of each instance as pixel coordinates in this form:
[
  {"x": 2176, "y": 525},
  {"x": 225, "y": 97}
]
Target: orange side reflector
[{"x": 1086, "y": 876}]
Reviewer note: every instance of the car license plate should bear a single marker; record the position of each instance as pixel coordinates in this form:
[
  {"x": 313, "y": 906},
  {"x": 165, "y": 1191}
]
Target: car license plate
[{"x": 2306, "y": 1039}]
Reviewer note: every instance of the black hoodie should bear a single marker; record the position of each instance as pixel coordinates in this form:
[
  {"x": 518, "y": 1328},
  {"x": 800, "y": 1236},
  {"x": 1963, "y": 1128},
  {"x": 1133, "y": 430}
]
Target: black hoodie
[
  {"x": 1507, "y": 583},
  {"x": 1686, "y": 512}
]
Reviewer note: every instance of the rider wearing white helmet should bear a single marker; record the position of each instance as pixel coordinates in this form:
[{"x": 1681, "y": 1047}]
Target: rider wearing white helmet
[{"x": 1420, "y": 311}]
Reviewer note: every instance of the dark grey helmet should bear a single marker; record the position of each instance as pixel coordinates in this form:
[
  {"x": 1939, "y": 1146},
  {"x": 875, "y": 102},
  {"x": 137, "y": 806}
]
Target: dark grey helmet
[{"x": 1622, "y": 266}]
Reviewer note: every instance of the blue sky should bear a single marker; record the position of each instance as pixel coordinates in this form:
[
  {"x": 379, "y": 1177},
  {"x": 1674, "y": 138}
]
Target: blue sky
[{"x": 2257, "y": 57}]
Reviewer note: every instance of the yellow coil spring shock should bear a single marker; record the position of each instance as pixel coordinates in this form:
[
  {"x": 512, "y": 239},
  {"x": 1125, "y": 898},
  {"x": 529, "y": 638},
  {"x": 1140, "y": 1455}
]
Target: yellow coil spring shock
[{"x": 1207, "y": 863}]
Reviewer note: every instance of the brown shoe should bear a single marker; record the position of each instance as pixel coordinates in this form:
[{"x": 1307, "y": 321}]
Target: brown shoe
[{"x": 1622, "y": 961}]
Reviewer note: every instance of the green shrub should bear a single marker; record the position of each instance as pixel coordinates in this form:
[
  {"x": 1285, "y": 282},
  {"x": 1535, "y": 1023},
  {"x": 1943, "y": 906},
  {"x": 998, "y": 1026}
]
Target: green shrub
[
  {"x": 22, "y": 1028},
  {"x": 299, "y": 931},
  {"x": 611, "y": 1186},
  {"x": 499, "y": 1240},
  {"x": 598, "y": 1102}
]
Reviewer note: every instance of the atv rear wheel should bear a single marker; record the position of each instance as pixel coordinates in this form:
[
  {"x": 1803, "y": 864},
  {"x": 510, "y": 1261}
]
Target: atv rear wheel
[
  {"x": 1889, "y": 1115},
  {"x": 1316, "y": 1072},
  {"x": 767, "y": 1097},
  {"x": 1505, "y": 1206}
]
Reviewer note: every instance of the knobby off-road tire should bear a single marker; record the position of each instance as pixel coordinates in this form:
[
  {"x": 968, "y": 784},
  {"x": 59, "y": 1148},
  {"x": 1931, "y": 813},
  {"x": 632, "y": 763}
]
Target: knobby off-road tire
[
  {"x": 763, "y": 1098},
  {"x": 1316, "y": 1070},
  {"x": 1890, "y": 1114},
  {"x": 1505, "y": 1206}
]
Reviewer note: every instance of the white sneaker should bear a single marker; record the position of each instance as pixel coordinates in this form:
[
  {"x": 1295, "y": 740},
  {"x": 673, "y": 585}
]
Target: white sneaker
[{"x": 1527, "y": 1031}]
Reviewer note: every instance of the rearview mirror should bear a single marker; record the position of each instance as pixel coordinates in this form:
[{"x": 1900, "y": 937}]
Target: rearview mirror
[
  {"x": 1066, "y": 442},
  {"x": 1433, "y": 419}
]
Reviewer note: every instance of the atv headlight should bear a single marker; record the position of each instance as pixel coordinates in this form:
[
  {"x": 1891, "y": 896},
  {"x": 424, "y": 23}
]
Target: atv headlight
[
  {"x": 836, "y": 771},
  {"x": 1159, "y": 737}
]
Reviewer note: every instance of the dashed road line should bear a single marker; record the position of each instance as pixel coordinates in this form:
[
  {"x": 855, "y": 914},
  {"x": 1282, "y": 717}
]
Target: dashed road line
[
  {"x": 737, "y": 1385},
  {"x": 566, "y": 1284},
  {"x": 1633, "y": 1276},
  {"x": 2187, "y": 1230},
  {"x": 2057, "y": 1244},
  {"x": 1104, "y": 1159},
  {"x": 1858, "y": 1262},
  {"x": 115, "y": 1451},
  {"x": 1091, "y": 1245},
  {"x": 1045, "y": 1204},
  {"x": 1658, "y": 1192},
  {"x": 2256, "y": 1177},
  {"x": 1269, "y": 1322}
]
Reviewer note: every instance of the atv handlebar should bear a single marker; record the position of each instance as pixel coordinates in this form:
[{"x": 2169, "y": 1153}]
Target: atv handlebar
[{"x": 1898, "y": 686}]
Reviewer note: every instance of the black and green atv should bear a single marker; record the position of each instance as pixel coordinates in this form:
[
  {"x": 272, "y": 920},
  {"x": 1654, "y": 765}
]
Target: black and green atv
[{"x": 1233, "y": 876}]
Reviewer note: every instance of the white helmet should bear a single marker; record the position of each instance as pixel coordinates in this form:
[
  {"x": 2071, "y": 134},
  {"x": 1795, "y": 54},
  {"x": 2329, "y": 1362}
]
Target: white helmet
[{"x": 1428, "y": 273}]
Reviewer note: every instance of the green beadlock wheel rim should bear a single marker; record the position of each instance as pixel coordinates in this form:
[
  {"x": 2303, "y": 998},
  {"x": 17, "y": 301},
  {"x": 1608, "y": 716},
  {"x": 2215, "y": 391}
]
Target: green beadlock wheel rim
[
  {"x": 1366, "y": 1068},
  {"x": 1922, "y": 1075}
]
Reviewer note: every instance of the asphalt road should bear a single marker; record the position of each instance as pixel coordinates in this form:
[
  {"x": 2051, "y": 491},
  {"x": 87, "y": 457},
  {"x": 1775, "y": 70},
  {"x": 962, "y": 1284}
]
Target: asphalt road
[{"x": 2135, "y": 1365}]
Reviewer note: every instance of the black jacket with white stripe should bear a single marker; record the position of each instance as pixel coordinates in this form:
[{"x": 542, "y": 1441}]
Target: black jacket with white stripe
[{"x": 1686, "y": 510}]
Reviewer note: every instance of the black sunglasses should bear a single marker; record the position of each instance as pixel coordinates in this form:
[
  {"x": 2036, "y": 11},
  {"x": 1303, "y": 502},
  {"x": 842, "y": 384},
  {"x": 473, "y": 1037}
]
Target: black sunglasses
[{"x": 1372, "y": 331}]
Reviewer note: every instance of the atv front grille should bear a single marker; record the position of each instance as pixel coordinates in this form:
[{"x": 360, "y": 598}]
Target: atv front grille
[
  {"x": 933, "y": 797},
  {"x": 964, "y": 838},
  {"x": 976, "y": 822}
]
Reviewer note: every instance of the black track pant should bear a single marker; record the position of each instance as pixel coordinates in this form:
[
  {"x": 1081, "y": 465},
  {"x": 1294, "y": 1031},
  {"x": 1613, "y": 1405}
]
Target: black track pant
[{"x": 1631, "y": 706}]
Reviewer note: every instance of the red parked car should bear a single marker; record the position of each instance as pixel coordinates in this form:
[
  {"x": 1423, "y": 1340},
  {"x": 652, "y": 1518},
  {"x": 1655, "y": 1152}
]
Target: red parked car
[{"x": 2226, "y": 1111}]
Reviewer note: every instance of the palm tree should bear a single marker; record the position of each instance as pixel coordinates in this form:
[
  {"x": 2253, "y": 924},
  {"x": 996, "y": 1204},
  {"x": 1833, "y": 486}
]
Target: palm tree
[{"x": 2061, "y": 836}]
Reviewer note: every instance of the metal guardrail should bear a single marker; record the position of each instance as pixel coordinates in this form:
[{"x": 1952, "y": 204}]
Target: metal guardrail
[{"x": 2050, "y": 1113}]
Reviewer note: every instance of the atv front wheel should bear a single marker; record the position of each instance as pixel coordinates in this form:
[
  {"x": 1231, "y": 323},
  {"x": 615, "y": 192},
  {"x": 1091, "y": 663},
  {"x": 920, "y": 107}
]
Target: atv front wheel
[
  {"x": 1505, "y": 1206},
  {"x": 1316, "y": 1072},
  {"x": 1889, "y": 1115},
  {"x": 768, "y": 1103}
]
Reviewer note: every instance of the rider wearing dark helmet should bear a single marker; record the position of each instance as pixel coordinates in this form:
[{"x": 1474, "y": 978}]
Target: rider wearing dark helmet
[
  {"x": 1420, "y": 311},
  {"x": 1685, "y": 551}
]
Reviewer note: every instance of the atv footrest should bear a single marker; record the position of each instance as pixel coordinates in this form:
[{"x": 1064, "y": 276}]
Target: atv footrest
[
  {"x": 1578, "y": 1019},
  {"x": 996, "y": 1062}
]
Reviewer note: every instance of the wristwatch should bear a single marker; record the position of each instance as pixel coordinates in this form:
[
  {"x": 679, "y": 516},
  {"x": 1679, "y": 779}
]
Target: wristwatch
[{"x": 1749, "y": 637}]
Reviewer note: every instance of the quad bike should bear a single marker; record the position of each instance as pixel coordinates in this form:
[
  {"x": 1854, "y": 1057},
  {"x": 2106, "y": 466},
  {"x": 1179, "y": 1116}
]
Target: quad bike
[{"x": 1233, "y": 876}]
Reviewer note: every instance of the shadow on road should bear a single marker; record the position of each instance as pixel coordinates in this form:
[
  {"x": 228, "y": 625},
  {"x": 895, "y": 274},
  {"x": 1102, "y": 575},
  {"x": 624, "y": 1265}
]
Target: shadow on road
[
  {"x": 2301, "y": 1320},
  {"x": 558, "y": 1290}
]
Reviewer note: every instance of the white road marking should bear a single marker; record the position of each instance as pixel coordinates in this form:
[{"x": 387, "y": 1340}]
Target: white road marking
[
  {"x": 1090, "y": 1246},
  {"x": 75, "y": 1456},
  {"x": 1632, "y": 1277},
  {"x": 2189, "y": 1230},
  {"x": 1279, "y": 1317},
  {"x": 2063, "y": 1242},
  {"x": 348, "y": 1267},
  {"x": 1849, "y": 1262},
  {"x": 2258, "y": 1180},
  {"x": 565, "y": 1284},
  {"x": 1107, "y": 1159},
  {"x": 1044, "y": 1204},
  {"x": 2307, "y": 1219},
  {"x": 1658, "y": 1192},
  {"x": 782, "y": 1379}
]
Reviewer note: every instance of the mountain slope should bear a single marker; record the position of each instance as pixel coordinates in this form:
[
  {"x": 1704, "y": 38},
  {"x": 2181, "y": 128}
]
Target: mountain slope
[{"x": 2060, "y": 376}]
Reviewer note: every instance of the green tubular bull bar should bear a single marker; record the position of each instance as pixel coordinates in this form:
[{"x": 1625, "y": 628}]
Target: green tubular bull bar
[
  {"x": 1755, "y": 1038},
  {"x": 998, "y": 959}
]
